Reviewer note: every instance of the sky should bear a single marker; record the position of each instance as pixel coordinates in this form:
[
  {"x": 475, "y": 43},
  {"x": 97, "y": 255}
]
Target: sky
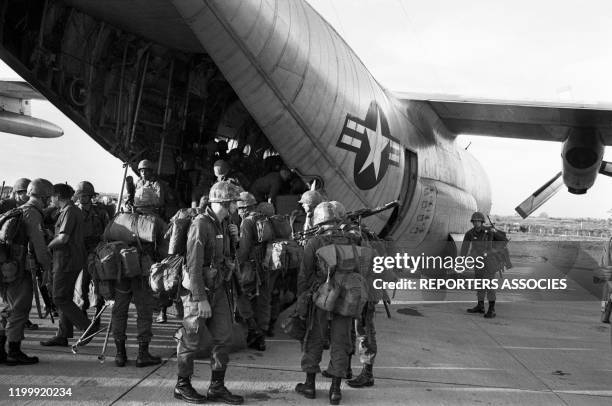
[{"x": 507, "y": 50}]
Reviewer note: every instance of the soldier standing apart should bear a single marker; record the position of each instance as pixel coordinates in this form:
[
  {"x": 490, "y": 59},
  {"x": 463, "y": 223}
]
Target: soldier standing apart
[
  {"x": 69, "y": 258},
  {"x": 478, "y": 242},
  {"x": 18, "y": 197},
  {"x": 95, "y": 219},
  {"x": 254, "y": 308},
  {"x": 207, "y": 302},
  {"x": 312, "y": 275},
  {"x": 18, "y": 294}
]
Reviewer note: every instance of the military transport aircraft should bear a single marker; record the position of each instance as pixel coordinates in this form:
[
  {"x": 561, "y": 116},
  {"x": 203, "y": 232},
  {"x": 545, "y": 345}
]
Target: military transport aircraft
[
  {"x": 16, "y": 112},
  {"x": 160, "y": 78}
]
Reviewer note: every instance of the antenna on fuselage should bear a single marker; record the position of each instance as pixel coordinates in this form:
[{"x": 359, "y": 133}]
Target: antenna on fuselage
[{"x": 468, "y": 145}]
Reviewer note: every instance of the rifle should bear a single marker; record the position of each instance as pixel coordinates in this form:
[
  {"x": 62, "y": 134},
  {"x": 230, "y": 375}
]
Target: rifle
[
  {"x": 302, "y": 235},
  {"x": 44, "y": 293},
  {"x": 367, "y": 212}
]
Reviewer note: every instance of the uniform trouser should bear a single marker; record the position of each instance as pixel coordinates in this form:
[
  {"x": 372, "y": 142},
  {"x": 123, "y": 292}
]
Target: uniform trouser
[
  {"x": 137, "y": 289},
  {"x": 340, "y": 345},
  {"x": 489, "y": 293},
  {"x": 63, "y": 295},
  {"x": 197, "y": 333},
  {"x": 259, "y": 307},
  {"x": 18, "y": 297},
  {"x": 366, "y": 328}
]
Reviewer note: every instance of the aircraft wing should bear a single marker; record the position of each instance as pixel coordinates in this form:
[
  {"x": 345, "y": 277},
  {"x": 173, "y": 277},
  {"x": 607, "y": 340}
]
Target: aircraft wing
[
  {"x": 545, "y": 121},
  {"x": 19, "y": 90}
]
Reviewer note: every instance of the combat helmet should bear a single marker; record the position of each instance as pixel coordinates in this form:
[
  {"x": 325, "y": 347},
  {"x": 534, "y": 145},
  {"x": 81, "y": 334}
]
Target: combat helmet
[
  {"x": 40, "y": 188},
  {"x": 221, "y": 168},
  {"x": 246, "y": 200},
  {"x": 339, "y": 209},
  {"x": 21, "y": 185},
  {"x": 85, "y": 188},
  {"x": 323, "y": 213},
  {"x": 311, "y": 197},
  {"x": 478, "y": 216},
  {"x": 145, "y": 164},
  {"x": 223, "y": 191}
]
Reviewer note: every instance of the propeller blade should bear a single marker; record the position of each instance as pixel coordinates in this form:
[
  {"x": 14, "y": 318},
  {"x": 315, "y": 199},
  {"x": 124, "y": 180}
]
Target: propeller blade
[
  {"x": 606, "y": 168},
  {"x": 540, "y": 196}
]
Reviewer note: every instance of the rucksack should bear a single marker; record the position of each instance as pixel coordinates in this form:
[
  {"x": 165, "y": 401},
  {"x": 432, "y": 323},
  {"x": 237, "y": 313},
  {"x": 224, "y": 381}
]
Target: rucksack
[
  {"x": 11, "y": 237},
  {"x": 263, "y": 226},
  {"x": 281, "y": 226},
  {"x": 345, "y": 290},
  {"x": 178, "y": 231},
  {"x": 166, "y": 275}
]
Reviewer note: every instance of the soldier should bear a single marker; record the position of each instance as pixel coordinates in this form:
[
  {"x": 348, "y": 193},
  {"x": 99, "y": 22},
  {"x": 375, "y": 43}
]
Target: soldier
[
  {"x": 309, "y": 201},
  {"x": 323, "y": 323},
  {"x": 18, "y": 294},
  {"x": 207, "y": 301},
  {"x": 18, "y": 197},
  {"x": 478, "y": 241},
  {"x": 153, "y": 196},
  {"x": 69, "y": 258},
  {"x": 95, "y": 219},
  {"x": 254, "y": 308}
]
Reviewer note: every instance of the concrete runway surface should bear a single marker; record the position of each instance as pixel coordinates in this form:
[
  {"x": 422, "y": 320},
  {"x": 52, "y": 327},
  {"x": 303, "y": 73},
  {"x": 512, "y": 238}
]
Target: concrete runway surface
[{"x": 542, "y": 349}]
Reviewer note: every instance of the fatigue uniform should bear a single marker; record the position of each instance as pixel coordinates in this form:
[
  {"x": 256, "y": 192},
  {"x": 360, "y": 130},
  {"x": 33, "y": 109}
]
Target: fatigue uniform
[
  {"x": 208, "y": 248},
  {"x": 18, "y": 295},
  {"x": 250, "y": 256},
  {"x": 95, "y": 219},
  {"x": 267, "y": 187},
  {"x": 7, "y": 204},
  {"x": 152, "y": 197},
  {"x": 138, "y": 290},
  {"x": 311, "y": 275},
  {"x": 479, "y": 243},
  {"x": 68, "y": 261}
]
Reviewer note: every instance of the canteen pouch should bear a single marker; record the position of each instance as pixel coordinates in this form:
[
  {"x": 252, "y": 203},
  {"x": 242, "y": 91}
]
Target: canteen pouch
[
  {"x": 327, "y": 294},
  {"x": 131, "y": 262}
]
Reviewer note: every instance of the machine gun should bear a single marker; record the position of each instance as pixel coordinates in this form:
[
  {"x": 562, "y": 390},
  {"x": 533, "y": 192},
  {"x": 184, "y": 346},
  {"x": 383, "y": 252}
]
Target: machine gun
[{"x": 352, "y": 216}]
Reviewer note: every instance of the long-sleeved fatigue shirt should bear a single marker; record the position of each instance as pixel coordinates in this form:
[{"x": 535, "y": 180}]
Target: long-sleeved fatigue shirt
[
  {"x": 477, "y": 243},
  {"x": 7, "y": 204},
  {"x": 208, "y": 244},
  {"x": 33, "y": 218}
]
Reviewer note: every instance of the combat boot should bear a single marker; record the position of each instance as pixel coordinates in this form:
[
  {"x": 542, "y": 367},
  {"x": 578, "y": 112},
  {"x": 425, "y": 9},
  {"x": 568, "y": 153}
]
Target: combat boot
[
  {"x": 307, "y": 389},
  {"x": 184, "y": 391},
  {"x": 255, "y": 338},
  {"x": 145, "y": 359},
  {"x": 365, "y": 378},
  {"x": 334, "y": 391},
  {"x": 121, "y": 356},
  {"x": 490, "y": 311},
  {"x": 217, "y": 392},
  {"x": 162, "y": 317},
  {"x": 270, "y": 331},
  {"x": 2, "y": 349},
  {"x": 16, "y": 357},
  {"x": 479, "y": 308}
]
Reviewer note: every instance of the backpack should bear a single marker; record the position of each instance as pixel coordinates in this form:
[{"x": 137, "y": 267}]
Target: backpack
[
  {"x": 178, "y": 231},
  {"x": 345, "y": 291},
  {"x": 265, "y": 230},
  {"x": 12, "y": 243},
  {"x": 108, "y": 260},
  {"x": 166, "y": 275},
  {"x": 281, "y": 226}
]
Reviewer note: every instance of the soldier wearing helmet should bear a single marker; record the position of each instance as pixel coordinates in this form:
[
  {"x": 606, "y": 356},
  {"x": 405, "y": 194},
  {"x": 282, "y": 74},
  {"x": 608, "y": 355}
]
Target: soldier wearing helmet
[
  {"x": 18, "y": 293},
  {"x": 18, "y": 195},
  {"x": 478, "y": 242},
  {"x": 309, "y": 201},
  {"x": 209, "y": 267},
  {"x": 256, "y": 284},
  {"x": 95, "y": 219},
  {"x": 324, "y": 324},
  {"x": 152, "y": 195}
]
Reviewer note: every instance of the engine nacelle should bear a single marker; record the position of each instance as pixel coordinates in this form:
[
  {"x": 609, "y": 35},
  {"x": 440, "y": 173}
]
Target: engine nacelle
[{"x": 582, "y": 155}]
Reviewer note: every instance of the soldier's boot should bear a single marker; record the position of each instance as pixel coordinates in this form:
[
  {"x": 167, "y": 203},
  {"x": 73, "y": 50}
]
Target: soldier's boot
[
  {"x": 16, "y": 357},
  {"x": 144, "y": 358},
  {"x": 2, "y": 349},
  {"x": 30, "y": 326},
  {"x": 217, "y": 392},
  {"x": 184, "y": 391},
  {"x": 479, "y": 308},
  {"x": 490, "y": 311},
  {"x": 334, "y": 391},
  {"x": 121, "y": 355},
  {"x": 365, "y": 378},
  {"x": 162, "y": 317},
  {"x": 307, "y": 389}
]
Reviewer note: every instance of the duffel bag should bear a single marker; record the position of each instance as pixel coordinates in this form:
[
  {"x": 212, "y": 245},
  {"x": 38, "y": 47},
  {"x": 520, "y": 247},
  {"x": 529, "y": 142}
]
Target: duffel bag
[
  {"x": 166, "y": 275},
  {"x": 178, "y": 236},
  {"x": 127, "y": 227}
]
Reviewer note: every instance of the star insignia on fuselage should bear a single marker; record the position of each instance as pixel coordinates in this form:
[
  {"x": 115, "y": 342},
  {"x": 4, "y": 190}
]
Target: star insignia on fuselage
[{"x": 375, "y": 149}]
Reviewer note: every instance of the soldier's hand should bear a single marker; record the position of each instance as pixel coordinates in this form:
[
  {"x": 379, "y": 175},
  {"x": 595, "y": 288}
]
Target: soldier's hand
[
  {"x": 204, "y": 310},
  {"x": 234, "y": 232}
]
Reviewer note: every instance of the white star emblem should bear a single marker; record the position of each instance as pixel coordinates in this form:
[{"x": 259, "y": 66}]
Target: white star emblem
[{"x": 378, "y": 143}]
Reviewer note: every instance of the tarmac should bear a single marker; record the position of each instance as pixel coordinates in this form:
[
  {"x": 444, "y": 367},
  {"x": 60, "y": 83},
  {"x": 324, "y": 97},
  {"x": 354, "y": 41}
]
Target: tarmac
[{"x": 543, "y": 348}]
